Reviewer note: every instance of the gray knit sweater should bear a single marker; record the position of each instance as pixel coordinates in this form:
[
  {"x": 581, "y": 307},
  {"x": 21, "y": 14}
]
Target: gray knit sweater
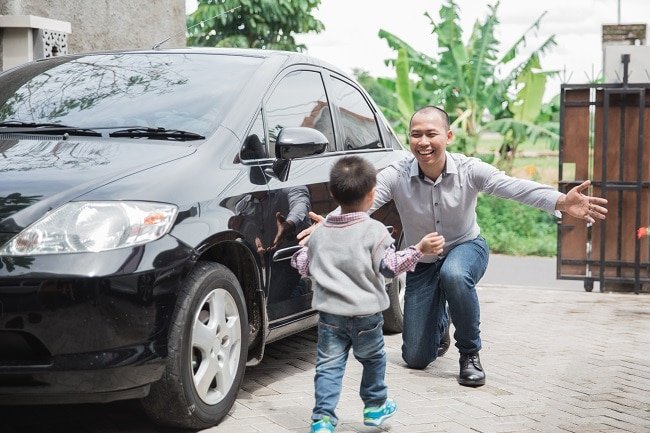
[{"x": 344, "y": 260}]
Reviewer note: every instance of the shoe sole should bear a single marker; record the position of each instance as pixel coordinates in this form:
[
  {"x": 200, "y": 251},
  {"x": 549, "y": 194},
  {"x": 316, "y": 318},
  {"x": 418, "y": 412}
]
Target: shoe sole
[
  {"x": 377, "y": 422},
  {"x": 471, "y": 383}
]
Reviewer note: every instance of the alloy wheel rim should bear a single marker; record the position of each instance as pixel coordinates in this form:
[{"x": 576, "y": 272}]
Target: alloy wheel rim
[{"x": 215, "y": 346}]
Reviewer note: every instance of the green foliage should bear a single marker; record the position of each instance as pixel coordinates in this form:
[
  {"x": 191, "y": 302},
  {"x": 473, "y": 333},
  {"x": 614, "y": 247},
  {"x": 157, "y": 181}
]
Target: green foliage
[
  {"x": 403, "y": 85},
  {"x": 467, "y": 79},
  {"x": 266, "y": 24},
  {"x": 515, "y": 229}
]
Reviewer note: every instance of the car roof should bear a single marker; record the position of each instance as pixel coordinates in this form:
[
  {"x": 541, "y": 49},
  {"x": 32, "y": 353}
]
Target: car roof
[{"x": 291, "y": 57}]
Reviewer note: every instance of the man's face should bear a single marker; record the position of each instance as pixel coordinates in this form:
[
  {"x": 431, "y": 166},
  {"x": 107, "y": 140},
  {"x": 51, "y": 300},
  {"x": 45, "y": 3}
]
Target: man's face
[{"x": 428, "y": 138}]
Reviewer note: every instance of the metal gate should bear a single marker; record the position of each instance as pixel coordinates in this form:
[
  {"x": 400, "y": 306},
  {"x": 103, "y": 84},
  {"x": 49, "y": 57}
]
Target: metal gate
[{"x": 602, "y": 138}]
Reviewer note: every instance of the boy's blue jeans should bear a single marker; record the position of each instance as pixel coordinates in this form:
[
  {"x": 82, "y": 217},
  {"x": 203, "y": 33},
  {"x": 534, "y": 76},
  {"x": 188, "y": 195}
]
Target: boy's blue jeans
[
  {"x": 451, "y": 280},
  {"x": 336, "y": 335}
]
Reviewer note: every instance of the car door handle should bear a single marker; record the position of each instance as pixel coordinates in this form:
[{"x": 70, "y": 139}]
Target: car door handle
[{"x": 285, "y": 253}]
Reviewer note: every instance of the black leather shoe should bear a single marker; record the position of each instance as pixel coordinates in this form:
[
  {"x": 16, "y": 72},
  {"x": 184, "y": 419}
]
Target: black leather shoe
[
  {"x": 471, "y": 370},
  {"x": 445, "y": 342}
]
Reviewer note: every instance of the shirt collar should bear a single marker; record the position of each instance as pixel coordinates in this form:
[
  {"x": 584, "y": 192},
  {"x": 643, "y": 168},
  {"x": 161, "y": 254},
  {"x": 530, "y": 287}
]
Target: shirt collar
[
  {"x": 346, "y": 217},
  {"x": 450, "y": 167}
]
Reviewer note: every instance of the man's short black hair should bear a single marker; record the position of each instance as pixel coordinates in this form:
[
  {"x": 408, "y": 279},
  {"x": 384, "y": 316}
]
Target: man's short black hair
[
  {"x": 351, "y": 179},
  {"x": 432, "y": 109}
]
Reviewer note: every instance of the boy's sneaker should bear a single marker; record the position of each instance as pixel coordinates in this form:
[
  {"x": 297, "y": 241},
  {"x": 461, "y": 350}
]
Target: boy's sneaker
[
  {"x": 378, "y": 414},
  {"x": 323, "y": 425}
]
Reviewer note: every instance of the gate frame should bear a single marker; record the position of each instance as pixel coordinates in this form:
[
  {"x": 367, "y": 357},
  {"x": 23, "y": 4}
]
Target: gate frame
[{"x": 624, "y": 89}]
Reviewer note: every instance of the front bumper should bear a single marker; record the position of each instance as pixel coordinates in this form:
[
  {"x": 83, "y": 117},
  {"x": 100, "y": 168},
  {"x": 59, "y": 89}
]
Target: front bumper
[{"x": 87, "y": 327}]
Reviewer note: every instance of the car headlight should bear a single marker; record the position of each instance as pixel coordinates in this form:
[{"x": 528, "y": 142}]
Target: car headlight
[{"x": 93, "y": 226}]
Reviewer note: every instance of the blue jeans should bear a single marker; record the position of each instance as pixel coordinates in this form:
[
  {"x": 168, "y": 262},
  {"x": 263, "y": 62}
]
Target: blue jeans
[
  {"x": 336, "y": 335},
  {"x": 451, "y": 280}
]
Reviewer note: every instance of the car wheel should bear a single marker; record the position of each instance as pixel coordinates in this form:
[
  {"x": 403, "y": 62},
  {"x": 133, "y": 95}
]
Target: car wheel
[
  {"x": 394, "y": 315},
  {"x": 207, "y": 347}
]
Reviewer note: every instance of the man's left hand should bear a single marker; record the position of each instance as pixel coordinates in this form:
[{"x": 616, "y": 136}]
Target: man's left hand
[{"x": 578, "y": 205}]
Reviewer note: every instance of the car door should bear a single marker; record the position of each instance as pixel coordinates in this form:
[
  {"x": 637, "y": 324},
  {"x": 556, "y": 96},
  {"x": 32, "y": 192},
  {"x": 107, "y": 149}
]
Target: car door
[
  {"x": 351, "y": 125},
  {"x": 298, "y": 98}
]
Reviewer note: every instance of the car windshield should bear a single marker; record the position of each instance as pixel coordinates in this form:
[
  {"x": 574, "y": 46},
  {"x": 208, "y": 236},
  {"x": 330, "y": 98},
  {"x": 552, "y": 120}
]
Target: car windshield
[{"x": 186, "y": 92}]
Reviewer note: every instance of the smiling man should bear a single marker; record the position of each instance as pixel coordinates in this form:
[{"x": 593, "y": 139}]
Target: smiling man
[{"x": 436, "y": 191}]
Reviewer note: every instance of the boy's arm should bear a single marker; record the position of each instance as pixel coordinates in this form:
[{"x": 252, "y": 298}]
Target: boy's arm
[
  {"x": 396, "y": 262},
  {"x": 300, "y": 261}
]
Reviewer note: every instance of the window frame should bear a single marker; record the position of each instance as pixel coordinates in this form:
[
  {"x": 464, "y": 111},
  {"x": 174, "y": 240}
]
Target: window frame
[
  {"x": 278, "y": 79},
  {"x": 382, "y": 127}
]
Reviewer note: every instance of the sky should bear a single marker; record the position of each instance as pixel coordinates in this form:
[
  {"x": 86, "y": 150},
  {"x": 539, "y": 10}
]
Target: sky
[{"x": 350, "y": 38}]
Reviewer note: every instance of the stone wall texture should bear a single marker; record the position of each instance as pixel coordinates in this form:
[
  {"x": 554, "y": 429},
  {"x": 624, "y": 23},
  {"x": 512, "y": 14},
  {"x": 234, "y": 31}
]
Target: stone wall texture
[{"x": 110, "y": 24}]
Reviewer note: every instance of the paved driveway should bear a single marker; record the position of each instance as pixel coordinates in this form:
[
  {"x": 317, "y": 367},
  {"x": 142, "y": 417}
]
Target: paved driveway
[{"x": 556, "y": 361}]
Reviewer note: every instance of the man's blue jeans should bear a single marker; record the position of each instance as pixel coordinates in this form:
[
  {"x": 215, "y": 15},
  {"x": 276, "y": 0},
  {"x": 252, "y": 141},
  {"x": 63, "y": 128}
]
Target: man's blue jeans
[
  {"x": 450, "y": 280},
  {"x": 336, "y": 335}
]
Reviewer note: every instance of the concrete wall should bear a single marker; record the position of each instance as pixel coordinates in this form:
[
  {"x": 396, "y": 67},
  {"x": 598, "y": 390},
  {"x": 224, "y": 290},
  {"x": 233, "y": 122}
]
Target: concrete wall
[{"x": 110, "y": 24}]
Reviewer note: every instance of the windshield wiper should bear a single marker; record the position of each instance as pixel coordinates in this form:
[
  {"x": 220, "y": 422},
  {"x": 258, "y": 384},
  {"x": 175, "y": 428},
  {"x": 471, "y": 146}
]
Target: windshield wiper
[
  {"x": 157, "y": 133},
  {"x": 46, "y": 128}
]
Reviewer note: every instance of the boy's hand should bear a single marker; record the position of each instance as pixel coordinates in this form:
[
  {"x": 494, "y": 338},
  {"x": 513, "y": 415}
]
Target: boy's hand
[
  {"x": 303, "y": 236},
  {"x": 431, "y": 244}
]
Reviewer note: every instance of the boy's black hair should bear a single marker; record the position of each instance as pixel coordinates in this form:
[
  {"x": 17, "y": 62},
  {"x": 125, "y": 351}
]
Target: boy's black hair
[
  {"x": 351, "y": 179},
  {"x": 429, "y": 109}
]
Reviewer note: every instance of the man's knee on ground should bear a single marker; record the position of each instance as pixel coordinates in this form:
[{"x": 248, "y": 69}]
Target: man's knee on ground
[{"x": 415, "y": 361}]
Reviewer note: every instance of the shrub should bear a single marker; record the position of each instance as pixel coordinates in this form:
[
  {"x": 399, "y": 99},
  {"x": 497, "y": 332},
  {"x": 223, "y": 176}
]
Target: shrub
[{"x": 515, "y": 229}]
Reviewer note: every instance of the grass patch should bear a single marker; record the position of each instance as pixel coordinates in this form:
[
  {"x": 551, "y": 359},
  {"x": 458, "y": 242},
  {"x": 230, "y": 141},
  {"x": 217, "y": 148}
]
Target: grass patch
[
  {"x": 515, "y": 229},
  {"x": 512, "y": 228}
]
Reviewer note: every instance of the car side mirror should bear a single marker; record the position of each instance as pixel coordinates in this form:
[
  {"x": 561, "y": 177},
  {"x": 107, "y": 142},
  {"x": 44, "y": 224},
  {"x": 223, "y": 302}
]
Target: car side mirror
[
  {"x": 299, "y": 142},
  {"x": 296, "y": 142}
]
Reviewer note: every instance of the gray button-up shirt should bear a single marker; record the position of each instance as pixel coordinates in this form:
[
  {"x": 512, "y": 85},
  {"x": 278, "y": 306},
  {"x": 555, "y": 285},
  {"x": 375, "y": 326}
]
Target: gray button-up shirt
[{"x": 448, "y": 205}]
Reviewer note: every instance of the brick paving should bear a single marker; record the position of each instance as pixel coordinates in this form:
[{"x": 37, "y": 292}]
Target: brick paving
[{"x": 556, "y": 361}]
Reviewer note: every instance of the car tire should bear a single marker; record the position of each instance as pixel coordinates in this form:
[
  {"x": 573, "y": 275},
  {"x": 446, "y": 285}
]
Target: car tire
[
  {"x": 207, "y": 348},
  {"x": 394, "y": 315}
]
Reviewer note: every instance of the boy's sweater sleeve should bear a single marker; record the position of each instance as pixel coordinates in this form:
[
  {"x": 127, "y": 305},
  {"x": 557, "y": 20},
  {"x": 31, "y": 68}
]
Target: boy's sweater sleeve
[
  {"x": 300, "y": 261},
  {"x": 396, "y": 262}
]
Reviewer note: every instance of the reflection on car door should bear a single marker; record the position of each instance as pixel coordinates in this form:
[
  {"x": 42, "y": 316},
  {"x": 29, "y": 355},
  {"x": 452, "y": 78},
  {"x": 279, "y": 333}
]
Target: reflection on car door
[{"x": 299, "y": 99}]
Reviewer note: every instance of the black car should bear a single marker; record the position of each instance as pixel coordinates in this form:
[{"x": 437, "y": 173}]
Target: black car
[{"x": 149, "y": 206}]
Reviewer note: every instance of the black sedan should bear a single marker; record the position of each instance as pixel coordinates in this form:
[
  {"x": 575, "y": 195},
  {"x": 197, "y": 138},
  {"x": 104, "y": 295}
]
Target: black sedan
[{"x": 149, "y": 203}]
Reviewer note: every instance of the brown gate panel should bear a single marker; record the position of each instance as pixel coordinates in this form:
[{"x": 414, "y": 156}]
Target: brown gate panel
[
  {"x": 617, "y": 160},
  {"x": 622, "y": 149},
  {"x": 574, "y": 168}
]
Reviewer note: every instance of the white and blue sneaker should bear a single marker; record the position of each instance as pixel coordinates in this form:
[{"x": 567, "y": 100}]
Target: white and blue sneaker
[
  {"x": 323, "y": 425},
  {"x": 375, "y": 416}
]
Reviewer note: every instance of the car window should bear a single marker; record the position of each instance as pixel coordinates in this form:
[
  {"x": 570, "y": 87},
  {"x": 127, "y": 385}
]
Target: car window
[
  {"x": 299, "y": 100},
  {"x": 254, "y": 146},
  {"x": 359, "y": 123}
]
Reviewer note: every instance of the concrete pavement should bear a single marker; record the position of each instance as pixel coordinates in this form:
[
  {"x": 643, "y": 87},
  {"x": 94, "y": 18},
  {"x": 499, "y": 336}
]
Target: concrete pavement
[
  {"x": 557, "y": 360},
  {"x": 527, "y": 271}
]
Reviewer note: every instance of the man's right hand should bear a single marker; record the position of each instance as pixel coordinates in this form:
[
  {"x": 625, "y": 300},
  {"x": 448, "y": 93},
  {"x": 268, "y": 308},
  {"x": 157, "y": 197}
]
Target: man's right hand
[
  {"x": 431, "y": 244},
  {"x": 303, "y": 236}
]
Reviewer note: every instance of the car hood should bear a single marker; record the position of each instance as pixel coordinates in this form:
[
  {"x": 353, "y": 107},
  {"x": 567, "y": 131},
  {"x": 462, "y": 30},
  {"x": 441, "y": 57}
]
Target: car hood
[{"x": 39, "y": 174}]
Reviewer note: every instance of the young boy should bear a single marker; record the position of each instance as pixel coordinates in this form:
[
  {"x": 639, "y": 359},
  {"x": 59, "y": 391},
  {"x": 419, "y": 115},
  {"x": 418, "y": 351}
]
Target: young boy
[{"x": 348, "y": 257}]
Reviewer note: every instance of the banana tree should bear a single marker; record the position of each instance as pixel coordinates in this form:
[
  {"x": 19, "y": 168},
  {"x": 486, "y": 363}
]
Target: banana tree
[
  {"x": 468, "y": 79},
  {"x": 525, "y": 109}
]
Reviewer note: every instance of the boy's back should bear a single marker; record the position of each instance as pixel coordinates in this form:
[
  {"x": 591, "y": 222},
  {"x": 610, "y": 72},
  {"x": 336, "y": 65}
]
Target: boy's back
[{"x": 345, "y": 254}]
